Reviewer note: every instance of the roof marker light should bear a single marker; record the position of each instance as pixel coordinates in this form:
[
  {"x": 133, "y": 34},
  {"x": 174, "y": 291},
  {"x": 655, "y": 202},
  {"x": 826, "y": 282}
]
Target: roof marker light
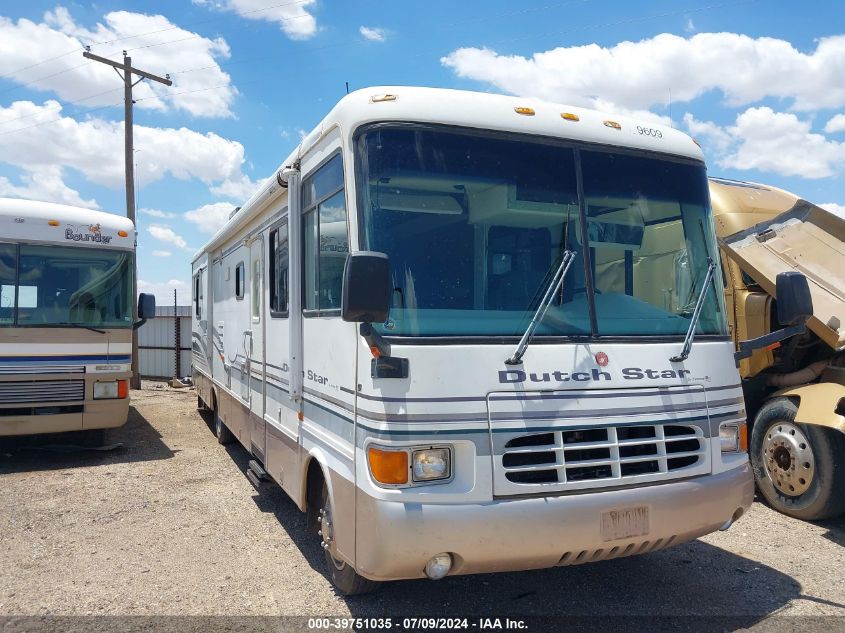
[
  {"x": 524, "y": 111},
  {"x": 380, "y": 98},
  {"x": 123, "y": 233},
  {"x": 53, "y": 222},
  {"x": 613, "y": 124},
  {"x": 568, "y": 116}
]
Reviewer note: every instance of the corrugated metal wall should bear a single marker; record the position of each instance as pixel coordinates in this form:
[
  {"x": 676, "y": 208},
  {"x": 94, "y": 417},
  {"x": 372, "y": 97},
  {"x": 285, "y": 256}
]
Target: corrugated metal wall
[{"x": 157, "y": 343}]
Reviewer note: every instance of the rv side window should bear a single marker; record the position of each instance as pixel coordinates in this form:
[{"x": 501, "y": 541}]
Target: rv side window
[
  {"x": 325, "y": 237},
  {"x": 279, "y": 271},
  {"x": 239, "y": 281},
  {"x": 8, "y": 278},
  {"x": 256, "y": 290},
  {"x": 197, "y": 306}
]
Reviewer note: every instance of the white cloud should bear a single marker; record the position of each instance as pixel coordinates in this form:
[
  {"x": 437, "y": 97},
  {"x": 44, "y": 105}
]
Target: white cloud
[
  {"x": 292, "y": 17},
  {"x": 157, "y": 213},
  {"x": 164, "y": 291},
  {"x": 166, "y": 234},
  {"x": 239, "y": 188},
  {"x": 690, "y": 27},
  {"x": 210, "y": 218},
  {"x": 24, "y": 43},
  {"x": 162, "y": 253},
  {"x": 44, "y": 182},
  {"x": 373, "y": 34},
  {"x": 707, "y": 131},
  {"x": 838, "y": 209},
  {"x": 836, "y": 124},
  {"x": 639, "y": 75},
  {"x": 83, "y": 146},
  {"x": 776, "y": 142}
]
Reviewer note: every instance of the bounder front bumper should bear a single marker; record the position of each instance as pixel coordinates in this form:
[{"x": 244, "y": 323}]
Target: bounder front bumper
[{"x": 395, "y": 539}]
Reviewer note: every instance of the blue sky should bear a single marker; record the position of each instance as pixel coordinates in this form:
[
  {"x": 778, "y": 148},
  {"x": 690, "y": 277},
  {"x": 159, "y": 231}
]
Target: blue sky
[{"x": 758, "y": 83}]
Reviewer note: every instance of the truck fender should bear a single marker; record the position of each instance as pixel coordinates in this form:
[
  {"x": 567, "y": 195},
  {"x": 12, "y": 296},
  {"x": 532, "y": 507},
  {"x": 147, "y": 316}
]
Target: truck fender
[
  {"x": 315, "y": 454},
  {"x": 817, "y": 404}
]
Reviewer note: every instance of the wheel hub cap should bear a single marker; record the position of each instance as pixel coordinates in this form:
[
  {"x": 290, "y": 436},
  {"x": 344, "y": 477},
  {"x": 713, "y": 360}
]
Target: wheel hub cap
[
  {"x": 327, "y": 532},
  {"x": 788, "y": 459}
]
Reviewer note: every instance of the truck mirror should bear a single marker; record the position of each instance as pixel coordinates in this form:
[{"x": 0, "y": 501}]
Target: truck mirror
[
  {"x": 146, "y": 306},
  {"x": 367, "y": 287},
  {"x": 792, "y": 292}
]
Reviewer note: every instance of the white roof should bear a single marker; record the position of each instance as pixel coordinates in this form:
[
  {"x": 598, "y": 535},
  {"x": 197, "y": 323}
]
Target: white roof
[
  {"x": 29, "y": 220},
  {"x": 482, "y": 111}
]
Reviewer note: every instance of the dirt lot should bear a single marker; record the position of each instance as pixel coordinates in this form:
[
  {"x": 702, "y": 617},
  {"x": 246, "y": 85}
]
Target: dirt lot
[{"x": 168, "y": 524}]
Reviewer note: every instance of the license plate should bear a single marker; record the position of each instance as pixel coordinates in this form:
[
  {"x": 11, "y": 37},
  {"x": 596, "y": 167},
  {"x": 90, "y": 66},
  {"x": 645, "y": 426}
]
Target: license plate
[{"x": 624, "y": 523}]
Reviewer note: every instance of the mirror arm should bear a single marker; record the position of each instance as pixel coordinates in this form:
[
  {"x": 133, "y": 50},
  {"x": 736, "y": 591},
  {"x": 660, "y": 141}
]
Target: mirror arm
[
  {"x": 374, "y": 340},
  {"x": 746, "y": 348},
  {"x": 138, "y": 323}
]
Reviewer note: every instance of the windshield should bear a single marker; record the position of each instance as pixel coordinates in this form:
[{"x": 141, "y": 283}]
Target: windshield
[
  {"x": 475, "y": 226},
  {"x": 42, "y": 286}
]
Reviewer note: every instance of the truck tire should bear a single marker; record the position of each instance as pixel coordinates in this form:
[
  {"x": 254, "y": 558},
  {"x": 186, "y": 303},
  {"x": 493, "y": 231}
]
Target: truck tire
[
  {"x": 221, "y": 431},
  {"x": 345, "y": 579},
  {"x": 799, "y": 468}
]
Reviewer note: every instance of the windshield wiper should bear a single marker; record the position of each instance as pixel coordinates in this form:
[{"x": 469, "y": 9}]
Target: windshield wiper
[
  {"x": 696, "y": 313},
  {"x": 554, "y": 286},
  {"x": 87, "y": 327}
]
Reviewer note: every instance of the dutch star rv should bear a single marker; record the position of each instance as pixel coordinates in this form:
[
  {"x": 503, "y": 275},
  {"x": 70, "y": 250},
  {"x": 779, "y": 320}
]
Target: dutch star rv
[
  {"x": 472, "y": 333},
  {"x": 66, "y": 318}
]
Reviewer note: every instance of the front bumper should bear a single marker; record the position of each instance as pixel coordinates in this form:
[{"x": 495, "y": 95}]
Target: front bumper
[{"x": 395, "y": 539}]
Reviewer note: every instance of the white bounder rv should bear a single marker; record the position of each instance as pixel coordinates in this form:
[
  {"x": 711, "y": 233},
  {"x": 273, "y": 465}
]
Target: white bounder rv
[
  {"x": 473, "y": 333},
  {"x": 66, "y": 317}
]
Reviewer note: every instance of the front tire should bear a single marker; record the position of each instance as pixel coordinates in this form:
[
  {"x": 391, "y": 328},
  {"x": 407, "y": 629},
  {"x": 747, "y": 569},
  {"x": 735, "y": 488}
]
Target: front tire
[
  {"x": 799, "y": 468},
  {"x": 345, "y": 579}
]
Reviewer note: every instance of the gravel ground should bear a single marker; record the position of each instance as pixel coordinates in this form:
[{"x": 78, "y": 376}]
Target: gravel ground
[{"x": 169, "y": 525}]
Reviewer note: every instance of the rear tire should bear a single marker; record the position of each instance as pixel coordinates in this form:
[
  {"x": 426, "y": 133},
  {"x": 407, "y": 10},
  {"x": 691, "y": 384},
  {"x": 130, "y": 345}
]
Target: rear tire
[
  {"x": 221, "y": 431},
  {"x": 799, "y": 468},
  {"x": 345, "y": 579}
]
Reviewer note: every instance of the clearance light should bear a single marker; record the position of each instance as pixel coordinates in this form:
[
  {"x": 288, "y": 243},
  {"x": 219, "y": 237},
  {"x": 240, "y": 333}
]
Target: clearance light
[
  {"x": 613, "y": 124},
  {"x": 123, "y": 234},
  {"x": 380, "y": 98},
  {"x": 388, "y": 467},
  {"x": 122, "y": 389},
  {"x": 568, "y": 116},
  {"x": 524, "y": 111},
  {"x": 53, "y": 222}
]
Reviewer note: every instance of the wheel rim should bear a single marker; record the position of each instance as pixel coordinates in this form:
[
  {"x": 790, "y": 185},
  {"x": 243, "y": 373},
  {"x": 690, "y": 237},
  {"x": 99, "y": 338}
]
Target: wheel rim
[
  {"x": 788, "y": 459},
  {"x": 327, "y": 532},
  {"x": 218, "y": 425}
]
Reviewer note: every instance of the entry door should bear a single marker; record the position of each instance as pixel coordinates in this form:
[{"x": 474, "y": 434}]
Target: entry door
[{"x": 255, "y": 346}]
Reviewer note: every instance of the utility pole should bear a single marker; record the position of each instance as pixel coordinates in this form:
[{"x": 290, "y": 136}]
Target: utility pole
[{"x": 128, "y": 71}]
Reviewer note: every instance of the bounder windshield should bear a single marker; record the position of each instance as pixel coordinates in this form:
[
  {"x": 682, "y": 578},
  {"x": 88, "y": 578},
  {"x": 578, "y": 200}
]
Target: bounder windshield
[
  {"x": 476, "y": 225},
  {"x": 43, "y": 286}
]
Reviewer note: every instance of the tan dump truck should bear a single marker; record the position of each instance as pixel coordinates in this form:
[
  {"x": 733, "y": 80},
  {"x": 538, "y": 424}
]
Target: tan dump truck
[{"x": 794, "y": 389}]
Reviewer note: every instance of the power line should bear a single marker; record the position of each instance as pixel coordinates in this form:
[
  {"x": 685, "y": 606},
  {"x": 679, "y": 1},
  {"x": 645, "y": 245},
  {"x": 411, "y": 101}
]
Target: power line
[{"x": 171, "y": 28}]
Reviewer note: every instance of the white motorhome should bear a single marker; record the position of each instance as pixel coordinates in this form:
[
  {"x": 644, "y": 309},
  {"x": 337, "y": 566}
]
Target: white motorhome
[
  {"x": 474, "y": 333},
  {"x": 66, "y": 317}
]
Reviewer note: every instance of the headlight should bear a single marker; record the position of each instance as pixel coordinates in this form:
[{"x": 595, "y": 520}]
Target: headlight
[
  {"x": 731, "y": 437},
  {"x": 431, "y": 464},
  {"x": 403, "y": 466},
  {"x": 112, "y": 389}
]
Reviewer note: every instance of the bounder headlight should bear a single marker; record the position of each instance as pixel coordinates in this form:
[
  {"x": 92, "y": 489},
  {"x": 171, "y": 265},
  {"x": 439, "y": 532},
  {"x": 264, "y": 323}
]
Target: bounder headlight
[{"x": 431, "y": 464}]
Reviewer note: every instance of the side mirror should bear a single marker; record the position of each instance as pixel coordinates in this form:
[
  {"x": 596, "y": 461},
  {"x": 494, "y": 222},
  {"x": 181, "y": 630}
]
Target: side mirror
[
  {"x": 792, "y": 292},
  {"x": 795, "y": 306},
  {"x": 367, "y": 286},
  {"x": 146, "y": 306}
]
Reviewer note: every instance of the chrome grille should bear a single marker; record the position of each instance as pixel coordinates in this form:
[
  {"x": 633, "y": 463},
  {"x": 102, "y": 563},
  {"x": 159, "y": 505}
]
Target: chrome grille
[
  {"x": 38, "y": 391},
  {"x": 604, "y": 455}
]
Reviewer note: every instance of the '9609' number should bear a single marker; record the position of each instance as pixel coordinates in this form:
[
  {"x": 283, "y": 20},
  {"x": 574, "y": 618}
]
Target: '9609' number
[{"x": 649, "y": 131}]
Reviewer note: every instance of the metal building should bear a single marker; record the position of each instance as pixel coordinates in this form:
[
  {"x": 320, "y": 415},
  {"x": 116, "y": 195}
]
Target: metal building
[{"x": 160, "y": 338}]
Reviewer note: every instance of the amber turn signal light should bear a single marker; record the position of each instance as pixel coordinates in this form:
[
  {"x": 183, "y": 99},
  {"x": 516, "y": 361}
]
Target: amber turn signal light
[
  {"x": 122, "y": 388},
  {"x": 388, "y": 467}
]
